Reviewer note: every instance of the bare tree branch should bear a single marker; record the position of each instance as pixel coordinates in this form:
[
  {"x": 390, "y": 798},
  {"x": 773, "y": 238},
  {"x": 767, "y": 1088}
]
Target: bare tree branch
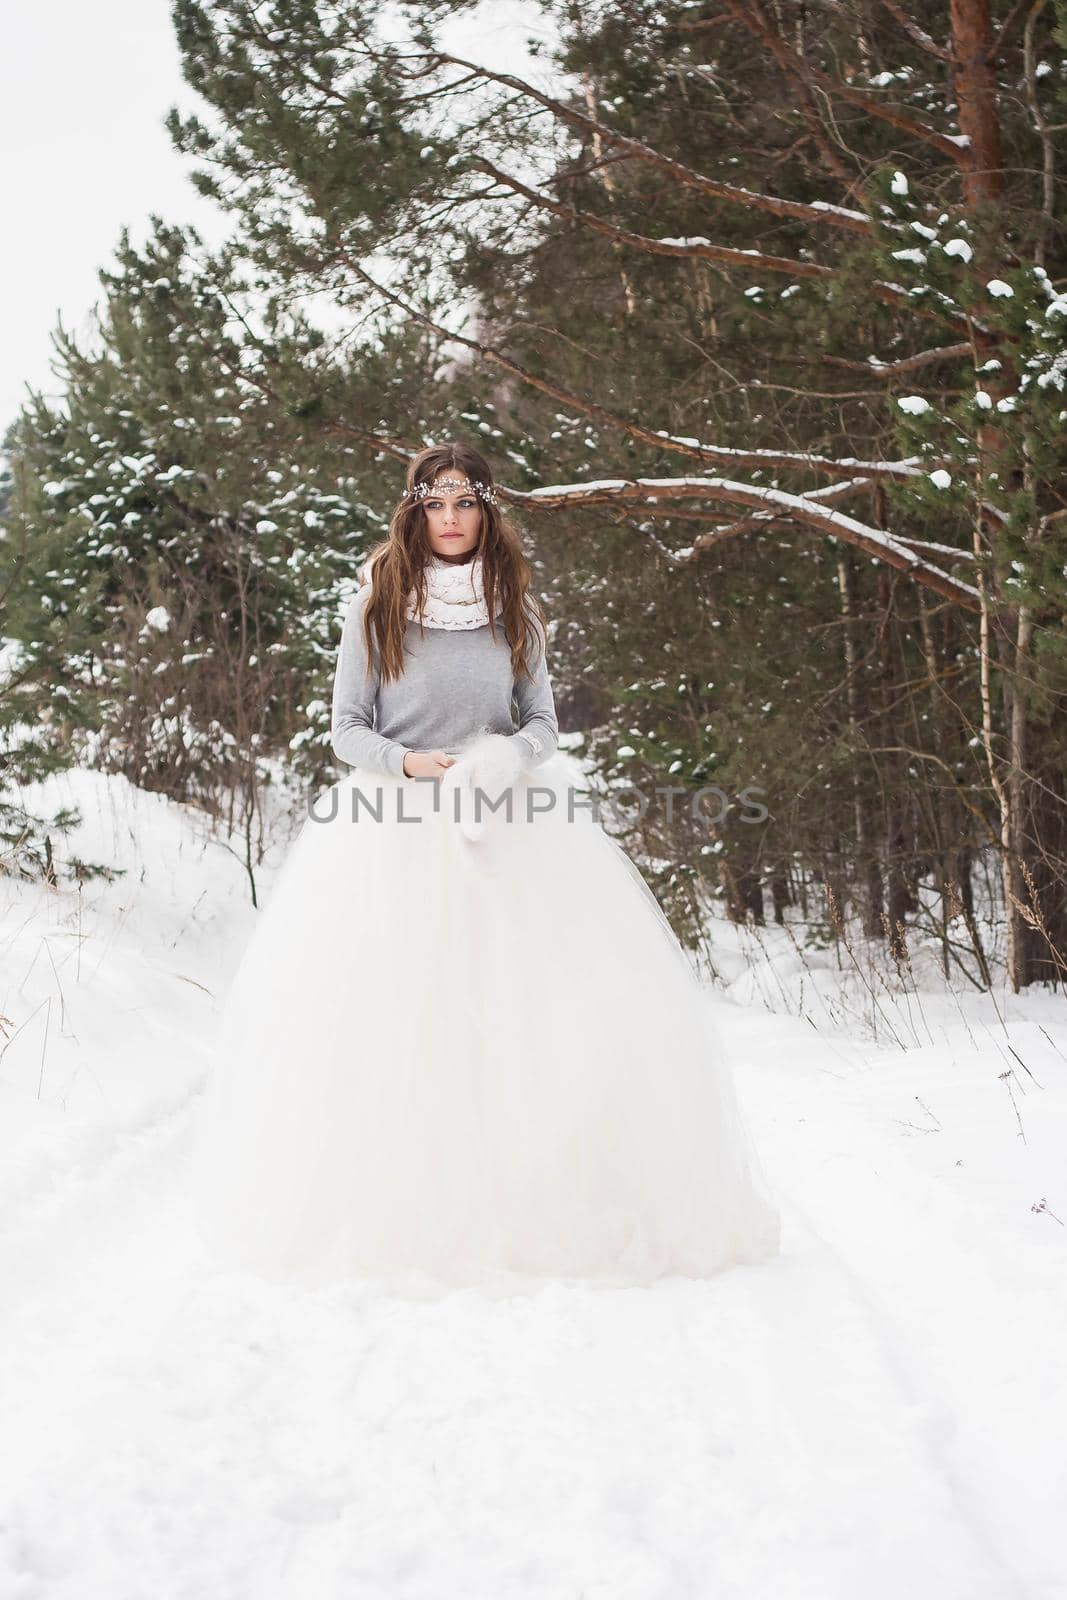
[
  {"x": 892, "y": 369},
  {"x": 918, "y": 35},
  {"x": 1009, "y": 22},
  {"x": 873, "y": 541}
]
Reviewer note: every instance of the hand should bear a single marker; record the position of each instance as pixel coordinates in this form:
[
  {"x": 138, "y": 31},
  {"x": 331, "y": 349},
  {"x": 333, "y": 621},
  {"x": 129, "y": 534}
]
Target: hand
[
  {"x": 495, "y": 762},
  {"x": 491, "y": 764},
  {"x": 427, "y": 763}
]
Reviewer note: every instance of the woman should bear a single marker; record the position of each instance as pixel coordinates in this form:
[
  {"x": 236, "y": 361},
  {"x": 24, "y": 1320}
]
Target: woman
[{"x": 464, "y": 1041}]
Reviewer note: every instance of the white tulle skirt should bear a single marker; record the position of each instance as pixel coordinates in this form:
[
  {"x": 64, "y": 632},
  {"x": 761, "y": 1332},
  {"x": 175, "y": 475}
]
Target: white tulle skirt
[{"x": 463, "y": 1057}]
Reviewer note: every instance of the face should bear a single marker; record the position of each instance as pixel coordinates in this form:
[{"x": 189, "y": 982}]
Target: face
[{"x": 453, "y": 516}]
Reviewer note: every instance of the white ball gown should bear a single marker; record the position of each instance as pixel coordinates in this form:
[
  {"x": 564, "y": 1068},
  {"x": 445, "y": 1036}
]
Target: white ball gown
[{"x": 469, "y": 1058}]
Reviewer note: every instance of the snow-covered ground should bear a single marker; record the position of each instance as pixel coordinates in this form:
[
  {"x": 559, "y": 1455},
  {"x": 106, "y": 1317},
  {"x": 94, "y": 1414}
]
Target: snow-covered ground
[{"x": 879, "y": 1412}]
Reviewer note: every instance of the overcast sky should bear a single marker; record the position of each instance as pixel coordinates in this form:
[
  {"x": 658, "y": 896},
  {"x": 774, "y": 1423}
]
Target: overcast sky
[{"x": 84, "y": 88}]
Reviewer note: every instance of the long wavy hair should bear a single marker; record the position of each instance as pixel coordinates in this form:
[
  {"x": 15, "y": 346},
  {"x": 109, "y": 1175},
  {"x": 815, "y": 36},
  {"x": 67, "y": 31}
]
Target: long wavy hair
[{"x": 397, "y": 566}]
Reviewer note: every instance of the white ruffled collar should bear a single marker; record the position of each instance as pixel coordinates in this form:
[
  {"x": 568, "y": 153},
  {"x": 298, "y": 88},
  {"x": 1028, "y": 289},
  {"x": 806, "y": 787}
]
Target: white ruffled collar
[{"x": 455, "y": 595}]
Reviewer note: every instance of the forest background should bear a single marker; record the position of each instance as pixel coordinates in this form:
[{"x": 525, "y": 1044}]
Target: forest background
[{"x": 758, "y": 312}]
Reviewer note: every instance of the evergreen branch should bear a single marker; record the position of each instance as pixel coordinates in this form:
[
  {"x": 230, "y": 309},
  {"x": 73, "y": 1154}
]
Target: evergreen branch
[
  {"x": 891, "y": 294},
  {"x": 785, "y": 459},
  {"x": 806, "y": 211},
  {"x": 681, "y": 249},
  {"x": 752, "y": 18},
  {"x": 794, "y": 65},
  {"x": 256, "y": 378}
]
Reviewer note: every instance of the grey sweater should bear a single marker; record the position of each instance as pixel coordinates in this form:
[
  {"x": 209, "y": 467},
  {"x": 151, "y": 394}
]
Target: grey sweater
[{"x": 457, "y": 683}]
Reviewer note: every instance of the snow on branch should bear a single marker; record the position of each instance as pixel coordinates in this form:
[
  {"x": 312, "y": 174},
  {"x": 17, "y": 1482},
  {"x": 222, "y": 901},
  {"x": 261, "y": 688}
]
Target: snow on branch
[
  {"x": 798, "y": 460},
  {"x": 683, "y": 249},
  {"x": 811, "y": 78},
  {"x": 891, "y": 369},
  {"x": 801, "y": 460},
  {"x": 817, "y": 211},
  {"x": 801, "y": 508},
  {"x": 832, "y": 493},
  {"x": 700, "y": 248}
]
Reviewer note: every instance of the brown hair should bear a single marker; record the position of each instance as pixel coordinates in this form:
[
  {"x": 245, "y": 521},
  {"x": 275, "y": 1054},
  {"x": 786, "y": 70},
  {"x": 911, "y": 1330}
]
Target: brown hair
[{"x": 398, "y": 564}]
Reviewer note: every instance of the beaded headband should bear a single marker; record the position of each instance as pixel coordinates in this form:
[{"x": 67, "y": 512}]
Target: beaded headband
[{"x": 486, "y": 491}]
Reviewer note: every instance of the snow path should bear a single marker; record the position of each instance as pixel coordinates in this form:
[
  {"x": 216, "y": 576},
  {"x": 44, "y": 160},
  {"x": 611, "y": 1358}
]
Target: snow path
[
  {"x": 192, "y": 1432},
  {"x": 880, "y": 1411}
]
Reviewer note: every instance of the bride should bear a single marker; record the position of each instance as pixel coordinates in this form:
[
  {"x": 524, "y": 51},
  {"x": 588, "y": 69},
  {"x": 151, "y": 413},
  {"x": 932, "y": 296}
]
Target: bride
[{"x": 463, "y": 1042}]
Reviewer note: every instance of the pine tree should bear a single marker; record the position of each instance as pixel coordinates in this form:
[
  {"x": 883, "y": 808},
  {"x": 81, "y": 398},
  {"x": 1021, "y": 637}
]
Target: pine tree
[
  {"x": 721, "y": 267},
  {"x": 179, "y": 546}
]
